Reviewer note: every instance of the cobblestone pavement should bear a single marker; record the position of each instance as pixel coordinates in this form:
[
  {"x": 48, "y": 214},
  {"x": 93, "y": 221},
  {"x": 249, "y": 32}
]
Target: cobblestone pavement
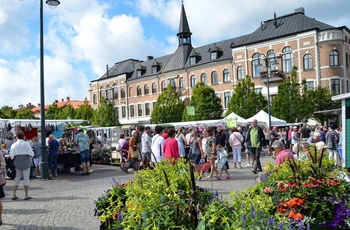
[{"x": 67, "y": 201}]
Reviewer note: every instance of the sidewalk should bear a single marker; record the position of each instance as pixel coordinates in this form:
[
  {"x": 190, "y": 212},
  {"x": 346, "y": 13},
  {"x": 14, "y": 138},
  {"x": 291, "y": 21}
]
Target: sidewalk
[{"x": 67, "y": 201}]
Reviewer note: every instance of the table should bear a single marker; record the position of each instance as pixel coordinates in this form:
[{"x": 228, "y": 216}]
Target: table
[{"x": 69, "y": 160}]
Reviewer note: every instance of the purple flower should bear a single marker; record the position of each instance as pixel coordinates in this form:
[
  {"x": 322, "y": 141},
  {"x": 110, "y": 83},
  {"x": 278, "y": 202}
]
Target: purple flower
[
  {"x": 281, "y": 226},
  {"x": 95, "y": 211},
  {"x": 271, "y": 222},
  {"x": 244, "y": 218},
  {"x": 253, "y": 211}
]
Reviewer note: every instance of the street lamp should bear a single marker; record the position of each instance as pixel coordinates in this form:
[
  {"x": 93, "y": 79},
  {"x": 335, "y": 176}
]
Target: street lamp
[
  {"x": 44, "y": 157},
  {"x": 270, "y": 58}
]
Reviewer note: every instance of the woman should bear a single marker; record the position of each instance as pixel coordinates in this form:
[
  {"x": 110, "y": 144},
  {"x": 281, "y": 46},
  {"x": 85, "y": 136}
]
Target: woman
[
  {"x": 197, "y": 152},
  {"x": 171, "y": 147},
  {"x": 236, "y": 140},
  {"x": 133, "y": 160},
  {"x": 267, "y": 140},
  {"x": 211, "y": 152},
  {"x": 2, "y": 193},
  {"x": 181, "y": 140}
]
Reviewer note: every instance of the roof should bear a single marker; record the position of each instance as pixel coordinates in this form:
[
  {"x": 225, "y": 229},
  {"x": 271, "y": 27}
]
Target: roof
[
  {"x": 184, "y": 28},
  {"x": 61, "y": 104},
  {"x": 120, "y": 68}
]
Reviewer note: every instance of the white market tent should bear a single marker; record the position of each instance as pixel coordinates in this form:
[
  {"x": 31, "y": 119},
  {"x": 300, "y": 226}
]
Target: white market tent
[
  {"x": 263, "y": 118},
  {"x": 240, "y": 120},
  {"x": 36, "y": 123},
  {"x": 220, "y": 122}
]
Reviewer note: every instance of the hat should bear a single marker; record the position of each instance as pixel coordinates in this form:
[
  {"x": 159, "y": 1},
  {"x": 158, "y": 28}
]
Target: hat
[
  {"x": 277, "y": 144},
  {"x": 147, "y": 128}
]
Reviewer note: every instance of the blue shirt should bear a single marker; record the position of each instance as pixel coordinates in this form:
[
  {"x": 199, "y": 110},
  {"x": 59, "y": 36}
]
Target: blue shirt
[{"x": 53, "y": 147}]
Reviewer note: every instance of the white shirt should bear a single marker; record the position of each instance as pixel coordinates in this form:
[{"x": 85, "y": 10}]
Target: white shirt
[
  {"x": 144, "y": 139},
  {"x": 157, "y": 148},
  {"x": 120, "y": 143},
  {"x": 21, "y": 147}
]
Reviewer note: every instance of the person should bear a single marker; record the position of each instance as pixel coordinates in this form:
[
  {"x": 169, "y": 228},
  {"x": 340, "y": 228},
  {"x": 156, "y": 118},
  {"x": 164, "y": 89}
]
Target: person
[
  {"x": 322, "y": 132},
  {"x": 294, "y": 137},
  {"x": 211, "y": 152},
  {"x": 314, "y": 138},
  {"x": 53, "y": 154},
  {"x": 181, "y": 140},
  {"x": 37, "y": 156},
  {"x": 120, "y": 142},
  {"x": 332, "y": 138},
  {"x": 305, "y": 133},
  {"x": 282, "y": 153},
  {"x": 133, "y": 161},
  {"x": 124, "y": 153},
  {"x": 273, "y": 137},
  {"x": 171, "y": 147},
  {"x": 255, "y": 141},
  {"x": 157, "y": 145},
  {"x": 22, "y": 155},
  {"x": 9, "y": 142},
  {"x": 196, "y": 151},
  {"x": 146, "y": 148},
  {"x": 222, "y": 155},
  {"x": 267, "y": 140},
  {"x": 83, "y": 142},
  {"x": 340, "y": 142},
  {"x": 236, "y": 139},
  {"x": 2, "y": 193}
]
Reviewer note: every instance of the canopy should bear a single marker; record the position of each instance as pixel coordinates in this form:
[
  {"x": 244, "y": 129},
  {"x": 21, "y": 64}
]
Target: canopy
[
  {"x": 263, "y": 117},
  {"x": 36, "y": 123},
  {"x": 240, "y": 120}
]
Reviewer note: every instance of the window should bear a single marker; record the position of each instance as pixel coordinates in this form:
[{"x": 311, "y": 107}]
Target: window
[
  {"x": 163, "y": 86},
  {"x": 333, "y": 58},
  {"x": 240, "y": 73},
  {"x": 181, "y": 83},
  {"x": 123, "y": 111},
  {"x": 154, "y": 104},
  {"x": 193, "y": 60},
  {"x": 308, "y": 62},
  {"x": 115, "y": 91},
  {"x": 287, "y": 60},
  {"x": 346, "y": 60},
  {"x": 227, "y": 97},
  {"x": 139, "y": 110},
  {"x": 193, "y": 81},
  {"x": 132, "y": 111},
  {"x": 154, "y": 88},
  {"x": 154, "y": 69},
  {"x": 147, "y": 110},
  {"x": 108, "y": 92},
  {"x": 213, "y": 55},
  {"x": 172, "y": 83},
  {"x": 226, "y": 75},
  {"x": 138, "y": 73},
  {"x": 94, "y": 99},
  {"x": 130, "y": 92},
  {"x": 122, "y": 93},
  {"x": 310, "y": 85},
  {"x": 335, "y": 86},
  {"x": 139, "y": 90},
  {"x": 116, "y": 112},
  {"x": 102, "y": 92},
  {"x": 258, "y": 90},
  {"x": 256, "y": 65},
  {"x": 214, "y": 78},
  {"x": 204, "y": 78},
  {"x": 146, "y": 89}
]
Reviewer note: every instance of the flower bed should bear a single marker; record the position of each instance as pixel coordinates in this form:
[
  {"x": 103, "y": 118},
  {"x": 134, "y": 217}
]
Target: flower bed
[{"x": 297, "y": 195}]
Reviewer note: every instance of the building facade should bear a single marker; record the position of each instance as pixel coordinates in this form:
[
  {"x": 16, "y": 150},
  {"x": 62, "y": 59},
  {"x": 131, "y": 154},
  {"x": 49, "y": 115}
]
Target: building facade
[{"x": 320, "y": 52}]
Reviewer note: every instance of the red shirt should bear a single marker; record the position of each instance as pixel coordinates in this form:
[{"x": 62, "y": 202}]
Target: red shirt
[
  {"x": 171, "y": 149},
  {"x": 165, "y": 135},
  {"x": 283, "y": 155}
]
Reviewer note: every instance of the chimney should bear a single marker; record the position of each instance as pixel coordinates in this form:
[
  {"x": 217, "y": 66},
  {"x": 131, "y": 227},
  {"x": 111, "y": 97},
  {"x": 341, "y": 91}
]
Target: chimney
[
  {"x": 20, "y": 106},
  {"x": 38, "y": 104},
  {"x": 56, "y": 101},
  {"x": 62, "y": 100},
  {"x": 300, "y": 10},
  {"x": 68, "y": 99},
  {"x": 149, "y": 58}
]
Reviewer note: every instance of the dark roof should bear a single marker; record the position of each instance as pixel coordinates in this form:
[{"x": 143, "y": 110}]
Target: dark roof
[
  {"x": 179, "y": 58},
  {"x": 184, "y": 28},
  {"x": 119, "y": 68}
]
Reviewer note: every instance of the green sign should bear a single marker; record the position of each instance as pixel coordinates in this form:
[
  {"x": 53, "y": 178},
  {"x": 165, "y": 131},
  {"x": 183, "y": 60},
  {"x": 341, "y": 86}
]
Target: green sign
[
  {"x": 231, "y": 122},
  {"x": 190, "y": 110}
]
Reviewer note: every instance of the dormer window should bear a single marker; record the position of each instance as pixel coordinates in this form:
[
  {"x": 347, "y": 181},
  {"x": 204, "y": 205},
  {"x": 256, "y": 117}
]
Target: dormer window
[
  {"x": 138, "y": 73},
  {"x": 141, "y": 71},
  {"x": 193, "y": 60},
  {"x": 154, "y": 69},
  {"x": 214, "y": 55}
]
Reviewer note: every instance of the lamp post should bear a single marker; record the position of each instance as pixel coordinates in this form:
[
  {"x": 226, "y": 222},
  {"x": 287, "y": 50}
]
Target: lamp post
[
  {"x": 44, "y": 157},
  {"x": 273, "y": 57}
]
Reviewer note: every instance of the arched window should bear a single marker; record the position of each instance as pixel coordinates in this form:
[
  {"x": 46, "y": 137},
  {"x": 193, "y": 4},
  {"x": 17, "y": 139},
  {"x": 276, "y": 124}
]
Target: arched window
[
  {"x": 226, "y": 75},
  {"x": 193, "y": 81},
  {"x": 122, "y": 93},
  {"x": 139, "y": 90},
  {"x": 333, "y": 58},
  {"x": 172, "y": 83},
  {"x": 308, "y": 62},
  {"x": 154, "y": 87},
  {"x": 146, "y": 89},
  {"x": 240, "y": 73},
  {"x": 204, "y": 78},
  {"x": 108, "y": 92},
  {"x": 102, "y": 92},
  {"x": 163, "y": 86},
  {"x": 115, "y": 91},
  {"x": 287, "y": 60},
  {"x": 214, "y": 78},
  {"x": 94, "y": 99},
  {"x": 181, "y": 83},
  {"x": 256, "y": 65}
]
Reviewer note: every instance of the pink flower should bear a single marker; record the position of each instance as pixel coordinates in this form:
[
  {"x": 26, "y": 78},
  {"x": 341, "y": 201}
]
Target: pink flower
[
  {"x": 267, "y": 190},
  {"x": 306, "y": 184},
  {"x": 293, "y": 184},
  {"x": 314, "y": 185},
  {"x": 283, "y": 188}
]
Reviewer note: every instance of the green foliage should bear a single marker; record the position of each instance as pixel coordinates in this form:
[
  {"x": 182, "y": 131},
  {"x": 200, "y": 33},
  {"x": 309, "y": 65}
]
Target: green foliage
[
  {"x": 104, "y": 115},
  {"x": 168, "y": 107},
  {"x": 245, "y": 102},
  {"x": 7, "y": 112},
  {"x": 53, "y": 112},
  {"x": 67, "y": 112},
  {"x": 207, "y": 104},
  {"x": 25, "y": 113},
  {"x": 85, "y": 112}
]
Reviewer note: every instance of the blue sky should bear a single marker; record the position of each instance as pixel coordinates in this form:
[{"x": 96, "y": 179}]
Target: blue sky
[{"x": 83, "y": 36}]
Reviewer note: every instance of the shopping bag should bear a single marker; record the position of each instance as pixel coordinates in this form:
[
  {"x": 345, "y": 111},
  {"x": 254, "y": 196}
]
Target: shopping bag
[{"x": 3, "y": 177}]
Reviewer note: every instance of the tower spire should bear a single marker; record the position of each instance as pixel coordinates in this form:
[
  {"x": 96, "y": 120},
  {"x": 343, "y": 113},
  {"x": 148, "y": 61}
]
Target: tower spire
[{"x": 184, "y": 33}]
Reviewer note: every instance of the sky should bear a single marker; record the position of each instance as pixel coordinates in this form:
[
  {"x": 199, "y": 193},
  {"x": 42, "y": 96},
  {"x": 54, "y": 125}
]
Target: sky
[{"x": 82, "y": 37}]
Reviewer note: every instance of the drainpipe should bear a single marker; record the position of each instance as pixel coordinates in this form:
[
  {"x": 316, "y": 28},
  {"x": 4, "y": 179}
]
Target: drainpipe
[{"x": 318, "y": 62}]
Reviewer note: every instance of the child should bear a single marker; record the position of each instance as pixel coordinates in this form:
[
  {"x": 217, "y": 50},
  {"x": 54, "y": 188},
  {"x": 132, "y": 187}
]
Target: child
[{"x": 222, "y": 155}]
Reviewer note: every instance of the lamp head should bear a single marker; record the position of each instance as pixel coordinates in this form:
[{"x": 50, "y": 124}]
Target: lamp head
[{"x": 53, "y": 3}]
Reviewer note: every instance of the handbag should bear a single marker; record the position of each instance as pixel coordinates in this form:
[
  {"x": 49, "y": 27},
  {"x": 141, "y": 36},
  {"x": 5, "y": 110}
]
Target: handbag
[
  {"x": 3, "y": 177},
  {"x": 227, "y": 165},
  {"x": 134, "y": 153}
]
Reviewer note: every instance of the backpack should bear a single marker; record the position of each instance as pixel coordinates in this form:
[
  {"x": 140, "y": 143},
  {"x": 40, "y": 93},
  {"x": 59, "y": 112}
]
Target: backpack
[{"x": 334, "y": 140}]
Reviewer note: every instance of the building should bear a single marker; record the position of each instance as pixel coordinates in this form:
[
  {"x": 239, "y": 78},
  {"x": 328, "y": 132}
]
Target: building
[{"x": 321, "y": 53}]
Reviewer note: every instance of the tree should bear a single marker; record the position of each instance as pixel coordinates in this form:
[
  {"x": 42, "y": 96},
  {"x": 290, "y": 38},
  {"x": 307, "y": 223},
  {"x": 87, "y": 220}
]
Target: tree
[
  {"x": 7, "y": 112},
  {"x": 168, "y": 108},
  {"x": 245, "y": 101},
  {"x": 25, "y": 113},
  {"x": 85, "y": 112},
  {"x": 207, "y": 105},
  {"x": 104, "y": 115},
  {"x": 291, "y": 103},
  {"x": 53, "y": 112},
  {"x": 67, "y": 112}
]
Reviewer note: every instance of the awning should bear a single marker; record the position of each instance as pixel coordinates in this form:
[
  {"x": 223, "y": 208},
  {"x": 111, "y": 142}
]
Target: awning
[{"x": 329, "y": 112}]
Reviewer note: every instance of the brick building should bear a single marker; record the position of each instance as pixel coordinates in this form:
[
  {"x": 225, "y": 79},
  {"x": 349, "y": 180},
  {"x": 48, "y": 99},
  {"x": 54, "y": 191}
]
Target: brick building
[{"x": 321, "y": 53}]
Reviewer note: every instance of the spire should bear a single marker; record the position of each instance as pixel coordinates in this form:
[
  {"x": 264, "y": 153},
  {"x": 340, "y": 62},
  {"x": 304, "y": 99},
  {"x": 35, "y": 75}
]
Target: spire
[{"x": 184, "y": 33}]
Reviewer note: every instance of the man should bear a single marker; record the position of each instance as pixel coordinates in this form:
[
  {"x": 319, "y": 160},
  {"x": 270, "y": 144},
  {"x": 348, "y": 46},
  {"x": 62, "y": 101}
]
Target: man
[
  {"x": 282, "y": 153},
  {"x": 255, "y": 140},
  {"x": 146, "y": 147},
  {"x": 315, "y": 138},
  {"x": 22, "y": 154},
  {"x": 305, "y": 133},
  {"x": 273, "y": 137},
  {"x": 157, "y": 145},
  {"x": 53, "y": 154},
  {"x": 37, "y": 156},
  {"x": 332, "y": 137},
  {"x": 83, "y": 142}
]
